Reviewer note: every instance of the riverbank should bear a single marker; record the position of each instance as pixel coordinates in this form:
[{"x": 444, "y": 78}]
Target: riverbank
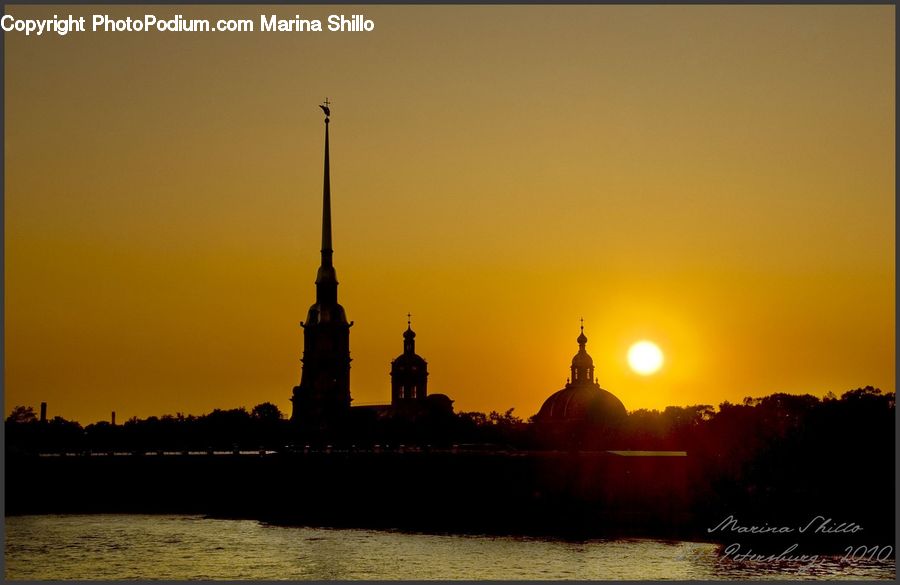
[
  {"x": 574, "y": 495},
  {"x": 594, "y": 494}
]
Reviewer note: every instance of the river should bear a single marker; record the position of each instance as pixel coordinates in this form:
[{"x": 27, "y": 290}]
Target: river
[{"x": 51, "y": 547}]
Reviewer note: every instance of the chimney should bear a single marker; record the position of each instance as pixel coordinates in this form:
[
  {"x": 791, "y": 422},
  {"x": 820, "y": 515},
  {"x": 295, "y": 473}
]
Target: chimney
[
  {"x": 43, "y": 412},
  {"x": 114, "y": 418}
]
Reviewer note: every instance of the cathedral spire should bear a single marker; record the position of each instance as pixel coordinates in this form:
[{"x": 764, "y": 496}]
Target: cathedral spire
[
  {"x": 322, "y": 399},
  {"x": 326, "y": 197},
  {"x": 326, "y": 279}
]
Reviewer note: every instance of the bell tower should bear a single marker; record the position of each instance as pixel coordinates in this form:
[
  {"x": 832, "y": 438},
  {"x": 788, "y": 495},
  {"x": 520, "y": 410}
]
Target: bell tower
[{"x": 409, "y": 372}]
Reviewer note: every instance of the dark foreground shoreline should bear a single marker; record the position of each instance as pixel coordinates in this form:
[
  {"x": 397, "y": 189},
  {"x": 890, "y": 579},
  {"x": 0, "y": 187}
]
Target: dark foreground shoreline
[{"x": 571, "y": 495}]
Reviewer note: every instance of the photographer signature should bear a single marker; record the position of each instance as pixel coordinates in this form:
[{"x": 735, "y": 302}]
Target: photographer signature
[{"x": 818, "y": 524}]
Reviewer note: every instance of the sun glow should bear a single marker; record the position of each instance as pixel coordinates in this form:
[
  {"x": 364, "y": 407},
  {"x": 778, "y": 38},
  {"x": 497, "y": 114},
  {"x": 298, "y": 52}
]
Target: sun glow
[{"x": 645, "y": 357}]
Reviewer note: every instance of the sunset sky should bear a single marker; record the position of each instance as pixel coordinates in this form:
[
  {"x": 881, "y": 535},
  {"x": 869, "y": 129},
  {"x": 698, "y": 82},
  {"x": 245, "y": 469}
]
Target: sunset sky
[{"x": 716, "y": 179}]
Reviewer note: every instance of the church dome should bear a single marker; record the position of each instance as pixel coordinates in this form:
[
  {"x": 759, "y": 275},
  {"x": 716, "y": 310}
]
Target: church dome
[
  {"x": 582, "y": 360},
  {"x": 582, "y": 363},
  {"x": 409, "y": 358},
  {"x": 320, "y": 313},
  {"x": 582, "y": 399},
  {"x": 406, "y": 360},
  {"x": 586, "y": 402},
  {"x": 440, "y": 402}
]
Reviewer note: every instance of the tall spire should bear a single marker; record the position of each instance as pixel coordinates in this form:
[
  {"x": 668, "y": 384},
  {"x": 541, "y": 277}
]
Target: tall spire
[
  {"x": 322, "y": 400},
  {"x": 326, "y": 279},
  {"x": 326, "y": 198}
]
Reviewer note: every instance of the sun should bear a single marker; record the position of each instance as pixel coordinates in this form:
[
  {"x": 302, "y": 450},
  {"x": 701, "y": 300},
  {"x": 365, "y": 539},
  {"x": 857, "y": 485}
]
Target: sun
[{"x": 645, "y": 357}]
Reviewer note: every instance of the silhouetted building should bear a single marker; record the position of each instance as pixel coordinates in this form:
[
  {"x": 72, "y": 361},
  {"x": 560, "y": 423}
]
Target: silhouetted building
[
  {"x": 43, "y": 412},
  {"x": 323, "y": 396},
  {"x": 409, "y": 388},
  {"x": 409, "y": 372},
  {"x": 582, "y": 400}
]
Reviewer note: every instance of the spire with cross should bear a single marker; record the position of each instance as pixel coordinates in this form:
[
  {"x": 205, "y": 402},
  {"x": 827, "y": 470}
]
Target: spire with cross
[
  {"x": 326, "y": 278},
  {"x": 323, "y": 396}
]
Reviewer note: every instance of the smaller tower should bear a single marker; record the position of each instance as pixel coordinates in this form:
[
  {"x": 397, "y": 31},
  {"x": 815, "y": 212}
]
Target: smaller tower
[
  {"x": 409, "y": 372},
  {"x": 582, "y": 363}
]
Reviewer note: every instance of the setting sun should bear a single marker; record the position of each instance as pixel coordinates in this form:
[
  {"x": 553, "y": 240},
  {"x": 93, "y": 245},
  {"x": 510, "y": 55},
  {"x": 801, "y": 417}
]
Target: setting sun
[{"x": 645, "y": 357}]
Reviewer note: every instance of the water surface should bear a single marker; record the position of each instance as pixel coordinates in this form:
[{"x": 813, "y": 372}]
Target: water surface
[{"x": 194, "y": 547}]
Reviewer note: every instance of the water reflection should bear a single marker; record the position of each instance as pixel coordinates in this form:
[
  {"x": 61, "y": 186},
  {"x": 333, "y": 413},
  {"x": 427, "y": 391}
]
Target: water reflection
[{"x": 192, "y": 547}]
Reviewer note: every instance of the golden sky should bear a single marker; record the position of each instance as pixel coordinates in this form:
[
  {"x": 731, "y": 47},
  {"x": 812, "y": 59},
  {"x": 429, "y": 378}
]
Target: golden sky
[{"x": 717, "y": 179}]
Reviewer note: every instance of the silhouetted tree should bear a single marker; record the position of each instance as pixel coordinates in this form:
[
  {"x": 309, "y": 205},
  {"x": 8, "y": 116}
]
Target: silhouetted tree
[
  {"x": 21, "y": 414},
  {"x": 266, "y": 411},
  {"x": 506, "y": 419},
  {"x": 476, "y": 419}
]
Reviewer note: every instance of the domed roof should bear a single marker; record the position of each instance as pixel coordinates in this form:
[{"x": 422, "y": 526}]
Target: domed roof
[
  {"x": 582, "y": 359},
  {"x": 582, "y": 399},
  {"x": 587, "y": 402},
  {"x": 325, "y": 313},
  {"x": 409, "y": 360},
  {"x": 440, "y": 401}
]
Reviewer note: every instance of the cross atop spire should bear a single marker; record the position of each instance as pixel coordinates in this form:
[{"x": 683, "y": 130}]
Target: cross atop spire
[
  {"x": 582, "y": 324},
  {"x": 409, "y": 319}
]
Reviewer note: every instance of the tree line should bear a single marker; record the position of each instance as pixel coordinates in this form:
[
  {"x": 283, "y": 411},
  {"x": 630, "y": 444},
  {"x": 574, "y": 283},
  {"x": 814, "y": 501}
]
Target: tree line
[{"x": 861, "y": 416}]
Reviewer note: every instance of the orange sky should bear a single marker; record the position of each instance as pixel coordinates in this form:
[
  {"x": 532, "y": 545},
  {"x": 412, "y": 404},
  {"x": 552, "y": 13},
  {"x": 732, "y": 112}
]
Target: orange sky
[{"x": 718, "y": 179}]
